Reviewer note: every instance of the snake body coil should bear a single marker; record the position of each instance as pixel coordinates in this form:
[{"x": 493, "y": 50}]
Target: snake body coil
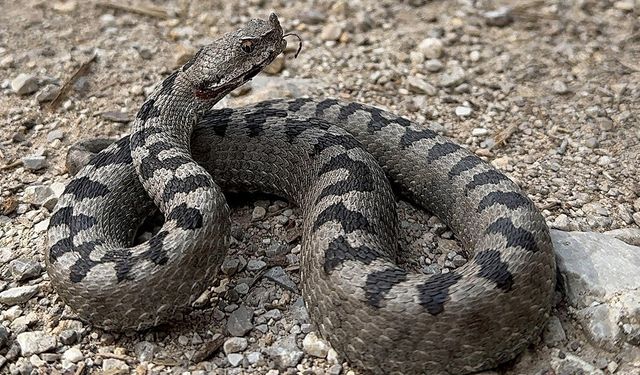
[{"x": 333, "y": 159}]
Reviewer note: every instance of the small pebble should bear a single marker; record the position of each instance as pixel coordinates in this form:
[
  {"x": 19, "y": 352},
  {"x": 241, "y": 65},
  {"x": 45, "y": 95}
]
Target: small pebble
[
  {"x": 73, "y": 355},
  {"x": 420, "y": 86},
  {"x": 234, "y": 345},
  {"x": 478, "y": 132},
  {"x": 235, "y": 359},
  {"x": 559, "y": 87},
  {"x": 431, "y": 48},
  {"x": 24, "y": 269},
  {"x": 255, "y": 265},
  {"x": 258, "y": 213},
  {"x": 48, "y": 93},
  {"x": 18, "y": 295},
  {"x": 24, "y": 84},
  {"x": 462, "y": 111},
  {"x": 331, "y": 32},
  {"x": 499, "y": 17},
  {"x": 433, "y": 65},
  {"x": 315, "y": 346},
  {"x": 34, "y": 162}
]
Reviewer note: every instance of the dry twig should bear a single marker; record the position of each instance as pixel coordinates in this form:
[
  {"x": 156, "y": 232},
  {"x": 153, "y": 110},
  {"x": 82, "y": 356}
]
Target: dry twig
[
  {"x": 15, "y": 164},
  {"x": 62, "y": 94},
  {"x": 502, "y": 137},
  {"x": 145, "y": 10},
  {"x": 116, "y": 356}
]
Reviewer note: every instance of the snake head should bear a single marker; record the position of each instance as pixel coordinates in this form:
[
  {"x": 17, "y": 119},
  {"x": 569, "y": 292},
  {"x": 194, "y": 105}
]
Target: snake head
[{"x": 234, "y": 58}]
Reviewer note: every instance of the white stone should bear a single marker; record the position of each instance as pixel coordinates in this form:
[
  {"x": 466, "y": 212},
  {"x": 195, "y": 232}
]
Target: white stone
[
  {"x": 234, "y": 345},
  {"x": 431, "y": 48},
  {"x": 463, "y": 111},
  {"x": 73, "y": 355},
  {"x": 477, "y": 132},
  {"x": 235, "y": 359},
  {"x": 34, "y": 162},
  {"x": 24, "y": 84},
  {"x": 315, "y": 346},
  {"x": 114, "y": 365},
  {"x": 18, "y": 295},
  {"x": 595, "y": 267},
  {"x": 35, "y": 342}
]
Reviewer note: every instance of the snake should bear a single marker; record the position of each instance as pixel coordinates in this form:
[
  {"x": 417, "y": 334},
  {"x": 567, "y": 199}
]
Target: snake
[{"x": 342, "y": 163}]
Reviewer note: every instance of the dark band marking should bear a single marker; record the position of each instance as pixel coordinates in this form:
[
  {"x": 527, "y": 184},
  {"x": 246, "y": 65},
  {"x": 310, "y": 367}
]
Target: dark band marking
[
  {"x": 61, "y": 216},
  {"x": 324, "y": 105},
  {"x": 340, "y": 251},
  {"x": 60, "y": 248},
  {"x": 122, "y": 155},
  {"x": 79, "y": 223},
  {"x": 349, "y": 220},
  {"x": 76, "y": 223},
  {"x": 510, "y": 199},
  {"x": 192, "y": 60},
  {"x": 123, "y": 262},
  {"x": 464, "y": 164},
  {"x": 84, "y": 187},
  {"x": 378, "y": 121},
  {"x": 435, "y": 291},
  {"x": 295, "y": 105},
  {"x": 379, "y": 283},
  {"x": 167, "y": 84},
  {"x": 148, "y": 110},
  {"x": 139, "y": 138},
  {"x": 347, "y": 110},
  {"x": 327, "y": 140},
  {"x": 149, "y": 164},
  {"x": 359, "y": 179},
  {"x": 296, "y": 126},
  {"x": 440, "y": 150},
  {"x": 494, "y": 269},
  {"x": 187, "y": 218},
  {"x": 485, "y": 178},
  {"x": 79, "y": 270},
  {"x": 411, "y": 136},
  {"x": 256, "y": 121},
  {"x": 218, "y": 120},
  {"x": 156, "y": 253},
  {"x": 184, "y": 185},
  {"x": 515, "y": 236},
  {"x": 265, "y": 104}
]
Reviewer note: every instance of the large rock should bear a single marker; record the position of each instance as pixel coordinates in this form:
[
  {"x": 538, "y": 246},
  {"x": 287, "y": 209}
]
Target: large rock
[
  {"x": 600, "y": 276},
  {"x": 18, "y": 294},
  {"x": 595, "y": 267},
  {"x": 285, "y": 353},
  {"x": 239, "y": 322},
  {"x": 567, "y": 363},
  {"x": 35, "y": 342}
]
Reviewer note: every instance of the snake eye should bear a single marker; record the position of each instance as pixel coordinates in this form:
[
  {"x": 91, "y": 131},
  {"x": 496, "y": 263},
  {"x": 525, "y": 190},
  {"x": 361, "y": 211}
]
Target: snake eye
[{"x": 247, "y": 45}]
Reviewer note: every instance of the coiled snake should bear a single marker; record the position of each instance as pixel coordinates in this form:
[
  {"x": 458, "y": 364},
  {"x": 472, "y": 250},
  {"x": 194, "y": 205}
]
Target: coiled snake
[{"x": 333, "y": 159}]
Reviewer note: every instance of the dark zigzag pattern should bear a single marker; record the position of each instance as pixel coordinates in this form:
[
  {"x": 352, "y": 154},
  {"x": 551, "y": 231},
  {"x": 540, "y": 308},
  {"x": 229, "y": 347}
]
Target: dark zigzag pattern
[
  {"x": 340, "y": 251},
  {"x": 349, "y": 220},
  {"x": 510, "y": 199},
  {"x": 379, "y": 283},
  {"x": 359, "y": 176},
  {"x": 515, "y": 236},
  {"x": 434, "y": 293}
]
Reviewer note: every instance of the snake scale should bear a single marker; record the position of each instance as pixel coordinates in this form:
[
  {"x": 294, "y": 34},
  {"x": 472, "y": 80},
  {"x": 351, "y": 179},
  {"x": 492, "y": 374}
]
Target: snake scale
[{"x": 338, "y": 162}]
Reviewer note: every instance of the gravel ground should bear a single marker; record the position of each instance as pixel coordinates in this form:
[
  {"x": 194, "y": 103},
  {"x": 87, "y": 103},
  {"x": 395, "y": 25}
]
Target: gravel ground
[{"x": 547, "y": 91}]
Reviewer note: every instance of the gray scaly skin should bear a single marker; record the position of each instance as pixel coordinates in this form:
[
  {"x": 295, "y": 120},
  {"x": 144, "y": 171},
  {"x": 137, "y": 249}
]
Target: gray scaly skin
[{"x": 333, "y": 159}]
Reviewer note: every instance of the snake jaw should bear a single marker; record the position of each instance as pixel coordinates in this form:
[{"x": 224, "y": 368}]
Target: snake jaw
[{"x": 243, "y": 55}]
